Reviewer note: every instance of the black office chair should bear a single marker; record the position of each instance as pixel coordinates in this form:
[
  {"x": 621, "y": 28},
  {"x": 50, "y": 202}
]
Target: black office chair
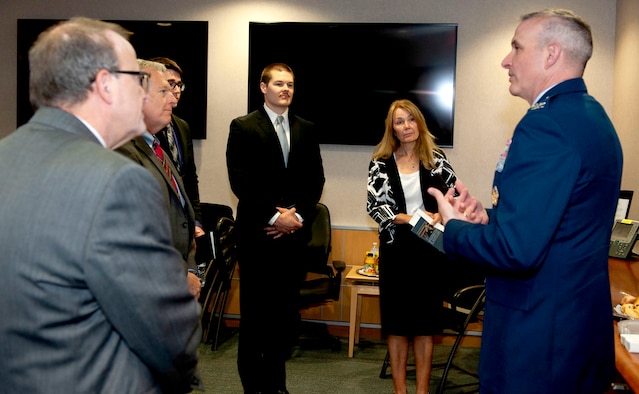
[
  {"x": 217, "y": 285},
  {"x": 322, "y": 285}
]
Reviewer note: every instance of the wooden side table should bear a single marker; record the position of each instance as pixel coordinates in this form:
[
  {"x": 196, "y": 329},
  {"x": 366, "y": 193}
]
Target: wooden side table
[{"x": 361, "y": 286}]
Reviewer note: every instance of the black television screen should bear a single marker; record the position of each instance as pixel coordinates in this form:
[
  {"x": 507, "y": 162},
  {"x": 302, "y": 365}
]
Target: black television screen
[
  {"x": 150, "y": 39},
  {"x": 348, "y": 74}
]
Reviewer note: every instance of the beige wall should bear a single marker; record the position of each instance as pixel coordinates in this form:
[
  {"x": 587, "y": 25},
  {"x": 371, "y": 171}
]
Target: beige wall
[
  {"x": 485, "y": 114},
  {"x": 626, "y": 95}
]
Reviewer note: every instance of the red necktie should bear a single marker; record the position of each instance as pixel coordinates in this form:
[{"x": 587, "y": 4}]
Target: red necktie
[{"x": 160, "y": 154}]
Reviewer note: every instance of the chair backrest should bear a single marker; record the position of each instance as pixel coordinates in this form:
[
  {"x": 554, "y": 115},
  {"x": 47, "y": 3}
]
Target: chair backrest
[
  {"x": 225, "y": 244},
  {"x": 211, "y": 213},
  {"x": 324, "y": 283},
  {"x": 319, "y": 247}
]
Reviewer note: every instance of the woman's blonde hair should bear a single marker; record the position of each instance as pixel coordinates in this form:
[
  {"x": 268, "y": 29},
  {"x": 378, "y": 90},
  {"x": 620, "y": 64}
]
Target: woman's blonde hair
[{"x": 424, "y": 145}]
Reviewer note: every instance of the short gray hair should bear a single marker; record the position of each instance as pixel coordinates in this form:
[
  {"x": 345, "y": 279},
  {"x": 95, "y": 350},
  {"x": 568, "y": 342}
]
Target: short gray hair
[
  {"x": 151, "y": 64},
  {"x": 146, "y": 64},
  {"x": 570, "y": 30},
  {"x": 65, "y": 59}
]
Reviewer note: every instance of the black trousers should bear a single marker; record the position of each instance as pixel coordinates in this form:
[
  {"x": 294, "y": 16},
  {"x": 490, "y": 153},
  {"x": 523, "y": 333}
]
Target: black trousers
[{"x": 270, "y": 275}]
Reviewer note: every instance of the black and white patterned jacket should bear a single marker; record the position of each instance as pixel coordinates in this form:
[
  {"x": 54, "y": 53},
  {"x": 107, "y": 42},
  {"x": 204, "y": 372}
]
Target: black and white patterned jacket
[{"x": 386, "y": 196}]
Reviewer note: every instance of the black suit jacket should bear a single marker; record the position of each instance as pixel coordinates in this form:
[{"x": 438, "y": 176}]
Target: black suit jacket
[
  {"x": 259, "y": 178},
  {"x": 181, "y": 217},
  {"x": 270, "y": 268},
  {"x": 186, "y": 169}
]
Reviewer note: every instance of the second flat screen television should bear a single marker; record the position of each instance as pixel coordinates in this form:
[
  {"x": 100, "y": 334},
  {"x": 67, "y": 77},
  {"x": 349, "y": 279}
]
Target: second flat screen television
[{"x": 348, "y": 74}]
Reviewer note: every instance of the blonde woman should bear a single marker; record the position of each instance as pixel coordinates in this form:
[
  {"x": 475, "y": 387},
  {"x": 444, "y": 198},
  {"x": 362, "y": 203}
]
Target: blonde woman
[{"x": 405, "y": 164}]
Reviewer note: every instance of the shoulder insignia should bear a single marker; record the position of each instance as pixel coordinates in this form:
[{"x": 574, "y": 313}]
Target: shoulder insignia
[{"x": 538, "y": 105}]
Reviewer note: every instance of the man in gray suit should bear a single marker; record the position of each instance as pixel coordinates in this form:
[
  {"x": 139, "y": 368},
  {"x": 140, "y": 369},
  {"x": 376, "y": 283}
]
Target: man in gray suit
[
  {"x": 92, "y": 297},
  {"x": 157, "y": 111},
  {"x": 181, "y": 148}
]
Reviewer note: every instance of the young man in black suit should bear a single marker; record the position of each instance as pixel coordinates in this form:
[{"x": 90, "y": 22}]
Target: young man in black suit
[{"x": 278, "y": 182}]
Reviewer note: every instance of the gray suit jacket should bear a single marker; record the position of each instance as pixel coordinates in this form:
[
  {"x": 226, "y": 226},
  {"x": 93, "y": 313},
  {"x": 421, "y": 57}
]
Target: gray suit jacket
[
  {"x": 181, "y": 218},
  {"x": 187, "y": 170},
  {"x": 91, "y": 296}
]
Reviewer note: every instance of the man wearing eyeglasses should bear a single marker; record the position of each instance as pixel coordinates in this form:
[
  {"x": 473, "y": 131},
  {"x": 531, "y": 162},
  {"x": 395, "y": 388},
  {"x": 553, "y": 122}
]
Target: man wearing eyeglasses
[
  {"x": 92, "y": 298},
  {"x": 176, "y": 140},
  {"x": 145, "y": 150}
]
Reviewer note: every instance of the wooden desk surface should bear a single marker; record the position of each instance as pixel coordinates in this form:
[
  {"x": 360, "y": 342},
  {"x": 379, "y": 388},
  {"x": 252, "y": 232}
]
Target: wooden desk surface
[
  {"x": 624, "y": 276},
  {"x": 355, "y": 277}
]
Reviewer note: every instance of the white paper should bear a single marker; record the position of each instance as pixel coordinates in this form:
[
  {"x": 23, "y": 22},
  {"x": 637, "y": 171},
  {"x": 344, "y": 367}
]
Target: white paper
[
  {"x": 622, "y": 208},
  {"x": 630, "y": 342}
]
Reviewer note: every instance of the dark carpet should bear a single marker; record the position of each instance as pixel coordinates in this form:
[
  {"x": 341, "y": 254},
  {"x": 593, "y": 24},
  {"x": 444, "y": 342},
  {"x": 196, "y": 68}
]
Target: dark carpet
[{"x": 330, "y": 371}]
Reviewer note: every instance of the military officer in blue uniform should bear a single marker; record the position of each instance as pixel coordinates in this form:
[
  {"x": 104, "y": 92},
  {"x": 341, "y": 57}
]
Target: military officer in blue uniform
[{"x": 548, "y": 323}]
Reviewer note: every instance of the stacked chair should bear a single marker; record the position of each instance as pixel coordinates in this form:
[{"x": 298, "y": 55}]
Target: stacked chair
[{"x": 220, "y": 246}]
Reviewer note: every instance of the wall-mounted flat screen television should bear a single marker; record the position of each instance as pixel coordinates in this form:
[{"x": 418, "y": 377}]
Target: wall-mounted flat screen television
[
  {"x": 348, "y": 74},
  {"x": 150, "y": 39}
]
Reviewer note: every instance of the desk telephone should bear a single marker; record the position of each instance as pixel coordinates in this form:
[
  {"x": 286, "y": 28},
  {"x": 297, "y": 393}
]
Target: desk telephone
[{"x": 622, "y": 240}]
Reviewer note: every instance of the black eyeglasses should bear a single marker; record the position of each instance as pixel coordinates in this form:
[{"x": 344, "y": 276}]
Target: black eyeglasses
[
  {"x": 175, "y": 84},
  {"x": 143, "y": 76}
]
